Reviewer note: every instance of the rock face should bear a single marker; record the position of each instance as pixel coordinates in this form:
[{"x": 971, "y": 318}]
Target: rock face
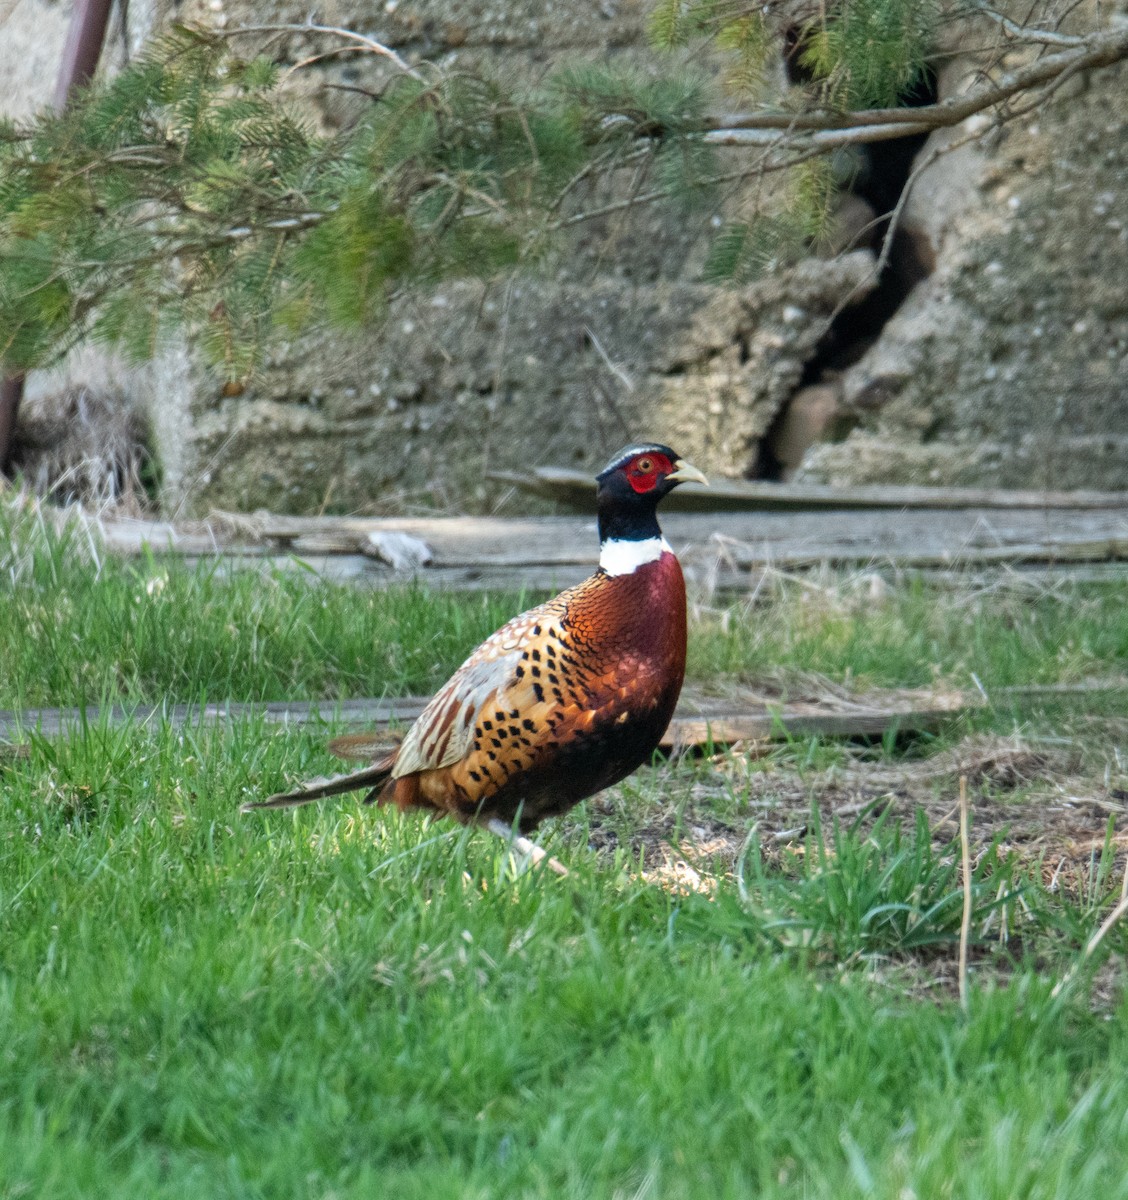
[
  {"x": 31, "y": 44},
  {"x": 1009, "y": 364},
  {"x": 1006, "y": 365},
  {"x": 506, "y": 378}
]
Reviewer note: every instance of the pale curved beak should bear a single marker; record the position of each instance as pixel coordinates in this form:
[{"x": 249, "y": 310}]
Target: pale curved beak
[{"x": 684, "y": 472}]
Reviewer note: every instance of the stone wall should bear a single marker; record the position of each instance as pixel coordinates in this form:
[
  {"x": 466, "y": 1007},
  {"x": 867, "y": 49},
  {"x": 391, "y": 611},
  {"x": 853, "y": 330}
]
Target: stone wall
[
  {"x": 1009, "y": 364},
  {"x": 1006, "y": 365},
  {"x": 503, "y": 378}
]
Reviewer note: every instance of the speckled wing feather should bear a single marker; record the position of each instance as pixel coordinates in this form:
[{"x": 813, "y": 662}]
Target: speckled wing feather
[{"x": 444, "y": 731}]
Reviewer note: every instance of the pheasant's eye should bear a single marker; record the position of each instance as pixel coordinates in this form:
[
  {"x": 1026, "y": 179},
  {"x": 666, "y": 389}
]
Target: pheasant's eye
[{"x": 645, "y": 465}]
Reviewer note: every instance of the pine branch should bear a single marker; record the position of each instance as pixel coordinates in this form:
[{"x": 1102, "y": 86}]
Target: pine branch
[{"x": 186, "y": 194}]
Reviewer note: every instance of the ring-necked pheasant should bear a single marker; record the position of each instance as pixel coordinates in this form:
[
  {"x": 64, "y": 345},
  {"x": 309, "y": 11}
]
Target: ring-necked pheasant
[{"x": 567, "y": 698}]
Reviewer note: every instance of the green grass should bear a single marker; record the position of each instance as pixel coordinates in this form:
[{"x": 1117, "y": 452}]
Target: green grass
[
  {"x": 857, "y": 894},
  {"x": 147, "y": 631},
  {"x": 193, "y": 1003},
  {"x": 916, "y": 634},
  {"x": 344, "y": 1002},
  {"x": 152, "y": 629}
]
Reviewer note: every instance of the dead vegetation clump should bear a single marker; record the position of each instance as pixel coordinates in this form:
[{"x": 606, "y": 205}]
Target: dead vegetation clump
[{"x": 86, "y": 446}]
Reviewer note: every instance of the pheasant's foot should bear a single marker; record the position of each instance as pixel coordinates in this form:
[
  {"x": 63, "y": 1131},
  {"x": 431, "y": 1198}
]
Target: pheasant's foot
[{"x": 525, "y": 846}]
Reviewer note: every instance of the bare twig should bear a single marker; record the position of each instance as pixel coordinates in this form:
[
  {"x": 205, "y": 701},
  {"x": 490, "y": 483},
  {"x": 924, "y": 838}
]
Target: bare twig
[
  {"x": 965, "y": 923},
  {"x": 367, "y": 43},
  {"x": 763, "y": 165},
  {"x": 613, "y": 367},
  {"x": 925, "y": 161},
  {"x": 1028, "y": 33},
  {"x": 311, "y": 59},
  {"x": 741, "y": 858}
]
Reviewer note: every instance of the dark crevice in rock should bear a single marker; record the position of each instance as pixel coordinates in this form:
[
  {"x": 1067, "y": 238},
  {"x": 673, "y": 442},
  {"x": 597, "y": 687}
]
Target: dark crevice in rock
[
  {"x": 881, "y": 174},
  {"x": 859, "y": 325},
  {"x": 794, "y": 47}
]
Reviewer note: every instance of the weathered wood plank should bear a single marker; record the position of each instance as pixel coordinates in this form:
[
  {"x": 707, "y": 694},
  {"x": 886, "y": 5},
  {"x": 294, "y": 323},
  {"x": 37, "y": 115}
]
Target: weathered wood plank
[
  {"x": 577, "y": 489},
  {"x": 721, "y": 578},
  {"x": 789, "y": 721},
  {"x": 51, "y": 722},
  {"x": 794, "y": 537},
  {"x": 720, "y": 551},
  {"x": 698, "y": 720}
]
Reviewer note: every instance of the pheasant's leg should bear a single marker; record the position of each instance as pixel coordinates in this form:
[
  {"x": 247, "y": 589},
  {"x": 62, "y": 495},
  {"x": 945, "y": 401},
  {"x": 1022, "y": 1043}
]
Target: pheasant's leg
[{"x": 519, "y": 842}]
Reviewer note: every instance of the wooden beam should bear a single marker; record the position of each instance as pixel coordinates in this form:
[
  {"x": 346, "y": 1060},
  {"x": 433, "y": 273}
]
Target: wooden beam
[
  {"x": 724, "y": 551},
  {"x": 576, "y": 489},
  {"x": 699, "y": 719}
]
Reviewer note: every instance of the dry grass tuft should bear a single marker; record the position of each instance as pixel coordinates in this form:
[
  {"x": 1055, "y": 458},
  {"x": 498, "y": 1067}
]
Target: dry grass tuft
[{"x": 84, "y": 446}]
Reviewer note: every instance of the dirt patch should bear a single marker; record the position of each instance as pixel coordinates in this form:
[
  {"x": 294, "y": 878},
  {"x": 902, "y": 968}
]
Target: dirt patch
[{"x": 1037, "y": 802}]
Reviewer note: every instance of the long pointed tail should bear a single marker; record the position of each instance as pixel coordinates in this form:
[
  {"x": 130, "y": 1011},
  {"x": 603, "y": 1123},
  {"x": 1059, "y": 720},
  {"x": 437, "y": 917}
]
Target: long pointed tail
[{"x": 318, "y": 789}]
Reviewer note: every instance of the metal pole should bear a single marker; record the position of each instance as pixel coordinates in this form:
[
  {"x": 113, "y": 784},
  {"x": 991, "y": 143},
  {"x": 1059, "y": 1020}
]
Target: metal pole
[
  {"x": 84, "y": 47},
  {"x": 11, "y": 390},
  {"x": 80, "y": 58}
]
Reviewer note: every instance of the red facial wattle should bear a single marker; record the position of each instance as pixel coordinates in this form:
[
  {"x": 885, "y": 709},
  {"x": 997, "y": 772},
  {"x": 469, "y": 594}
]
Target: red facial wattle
[{"x": 647, "y": 471}]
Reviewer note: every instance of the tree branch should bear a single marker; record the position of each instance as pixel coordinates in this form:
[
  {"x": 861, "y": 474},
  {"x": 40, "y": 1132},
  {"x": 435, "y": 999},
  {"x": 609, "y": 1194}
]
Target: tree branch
[
  {"x": 1026, "y": 33},
  {"x": 824, "y": 139},
  {"x": 1101, "y": 49}
]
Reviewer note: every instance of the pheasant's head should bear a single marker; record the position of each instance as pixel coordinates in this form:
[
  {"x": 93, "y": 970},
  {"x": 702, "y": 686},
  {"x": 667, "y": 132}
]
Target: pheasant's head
[
  {"x": 632, "y": 483},
  {"x": 649, "y": 470}
]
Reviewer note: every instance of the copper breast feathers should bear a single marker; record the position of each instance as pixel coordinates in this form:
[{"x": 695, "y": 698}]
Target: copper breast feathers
[{"x": 560, "y": 702}]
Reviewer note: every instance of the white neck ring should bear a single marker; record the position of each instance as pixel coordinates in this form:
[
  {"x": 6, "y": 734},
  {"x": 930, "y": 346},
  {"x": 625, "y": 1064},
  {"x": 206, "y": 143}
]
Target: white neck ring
[{"x": 617, "y": 556}]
